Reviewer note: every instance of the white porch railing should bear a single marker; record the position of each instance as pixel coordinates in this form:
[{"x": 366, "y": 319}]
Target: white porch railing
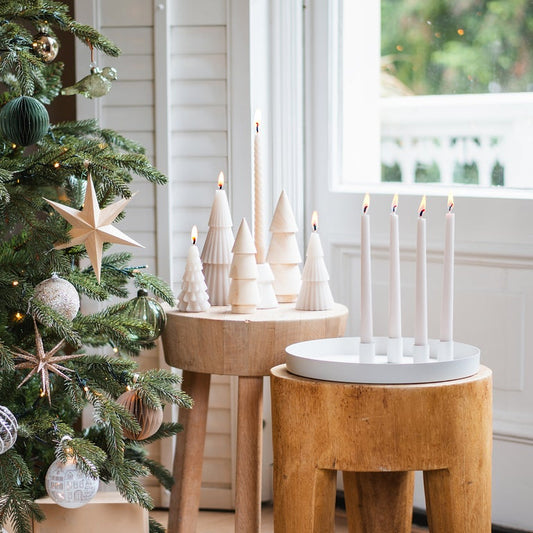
[{"x": 484, "y": 130}]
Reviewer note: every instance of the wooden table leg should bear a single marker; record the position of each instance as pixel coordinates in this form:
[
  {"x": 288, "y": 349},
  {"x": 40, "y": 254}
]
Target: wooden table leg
[
  {"x": 249, "y": 455},
  {"x": 459, "y": 501},
  {"x": 379, "y": 501},
  {"x": 188, "y": 457}
]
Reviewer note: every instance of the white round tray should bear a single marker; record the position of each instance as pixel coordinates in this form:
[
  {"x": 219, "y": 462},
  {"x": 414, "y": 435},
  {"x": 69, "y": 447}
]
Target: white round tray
[{"x": 338, "y": 360}]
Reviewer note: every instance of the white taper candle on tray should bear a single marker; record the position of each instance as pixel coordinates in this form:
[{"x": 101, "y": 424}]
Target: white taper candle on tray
[
  {"x": 445, "y": 351},
  {"x": 395, "y": 343},
  {"x": 421, "y": 347},
  {"x": 216, "y": 253},
  {"x": 367, "y": 344}
]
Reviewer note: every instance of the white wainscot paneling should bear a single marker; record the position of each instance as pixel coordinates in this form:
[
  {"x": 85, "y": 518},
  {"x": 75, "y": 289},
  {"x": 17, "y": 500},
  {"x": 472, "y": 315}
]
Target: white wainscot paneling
[
  {"x": 130, "y": 93},
  {"x": 144, "y": 138},
  {"x": 139, "y": 13},
  {"x": 187, "y": 169},
  {"x": 199, "y": 66},
  {"x": 185, "y": 217},
  {"x": 198, "y": 118},
  {"x": 139, "y": 218},
  {"x": 212, "y": 92},
  {"x": 197, "y": 40},
  {"x": 203, "y": 143},
  {"x": 218, "y": 445},
  {"x": 199, "y": 12},
  {"x": 137, "y": 40},
  {"x": 200, "y": 193},
  {"x": 144, "y": 192},
  {"x": 130, "y": 118},
  {"x": 134, "y": 67},
  {"x": 218, "y": 420}
]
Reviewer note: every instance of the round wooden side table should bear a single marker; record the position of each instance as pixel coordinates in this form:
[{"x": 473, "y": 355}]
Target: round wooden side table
[
  {"x": 247, "y": 346},
  {"x": 378, "y": 435}
]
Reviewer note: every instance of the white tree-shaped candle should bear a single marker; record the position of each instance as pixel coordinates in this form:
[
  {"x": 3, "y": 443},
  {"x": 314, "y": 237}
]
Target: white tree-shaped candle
[
  {"x": 243, "y": 290},
  {"x": 315, "y": 294},
  {"x": 283, "y": 253},
  {"x": 216, "y": 254},
  {"x": 193, "y": 297}
]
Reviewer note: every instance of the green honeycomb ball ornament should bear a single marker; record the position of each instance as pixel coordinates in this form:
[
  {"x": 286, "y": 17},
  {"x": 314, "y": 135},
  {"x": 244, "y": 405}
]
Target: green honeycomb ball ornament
[{"x": 24, "y": 121}]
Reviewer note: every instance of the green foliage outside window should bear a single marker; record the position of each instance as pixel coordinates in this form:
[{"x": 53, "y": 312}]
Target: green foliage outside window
[{"x": 458, "y": 47}]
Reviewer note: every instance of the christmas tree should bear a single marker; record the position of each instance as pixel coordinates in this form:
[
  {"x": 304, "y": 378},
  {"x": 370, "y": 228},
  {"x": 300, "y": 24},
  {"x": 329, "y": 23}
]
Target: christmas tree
[{"x": 62, "y": 186}]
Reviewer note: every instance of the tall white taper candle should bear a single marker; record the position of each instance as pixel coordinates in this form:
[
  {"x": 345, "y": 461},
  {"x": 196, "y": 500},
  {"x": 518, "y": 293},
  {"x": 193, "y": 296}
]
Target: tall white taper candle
[
  {"x": 394, "y": 349},
  {"x": 421, "y": 307},
  {"x": 366, "y": 276},
  {"x": 259, "y": 211},
  {"x": 446, "y": 317}
]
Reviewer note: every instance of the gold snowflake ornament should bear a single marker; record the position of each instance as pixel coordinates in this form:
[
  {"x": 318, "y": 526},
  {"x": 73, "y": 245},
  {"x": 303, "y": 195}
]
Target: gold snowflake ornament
[
  {"x": 92, "y": 226},
  {"x": 43, "y": 362}
]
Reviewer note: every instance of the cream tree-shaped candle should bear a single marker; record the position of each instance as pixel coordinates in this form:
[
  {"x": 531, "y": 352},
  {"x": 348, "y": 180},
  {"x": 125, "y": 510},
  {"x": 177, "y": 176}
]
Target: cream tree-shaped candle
[
  {"x": 193, "y": 297},
  {"x": 216, "y": 254},
  {"x": 315, "y": 294},
  {"x": 283, "y": 253},
  {"x": 243, "y": 290}
]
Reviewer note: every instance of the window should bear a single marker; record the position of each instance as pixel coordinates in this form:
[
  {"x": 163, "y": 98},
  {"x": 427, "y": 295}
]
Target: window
[{"x": 454, "y": 81}]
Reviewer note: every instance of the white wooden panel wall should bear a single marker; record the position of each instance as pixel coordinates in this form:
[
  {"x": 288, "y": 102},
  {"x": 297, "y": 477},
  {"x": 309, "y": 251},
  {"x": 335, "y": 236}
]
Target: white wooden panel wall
[
  {"x": 129, "y": 108},
  {"x": 199, "y": 151}
]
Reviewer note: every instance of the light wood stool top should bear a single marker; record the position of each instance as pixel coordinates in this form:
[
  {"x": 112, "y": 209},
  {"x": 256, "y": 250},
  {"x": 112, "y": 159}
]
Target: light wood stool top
[
  {"x": 219, "y": 342},
  {"x": 378, "y": 435}
]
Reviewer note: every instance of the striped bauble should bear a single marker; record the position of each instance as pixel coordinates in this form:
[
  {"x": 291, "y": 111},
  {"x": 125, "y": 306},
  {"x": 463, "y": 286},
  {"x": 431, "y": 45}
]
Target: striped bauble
[{"x": 24, "y": 121}]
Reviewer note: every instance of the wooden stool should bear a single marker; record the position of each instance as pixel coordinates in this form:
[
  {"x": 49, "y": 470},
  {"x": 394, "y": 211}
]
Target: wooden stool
[
  {"x": 378, "y": 435},
  {"x": 219, "y": 342}
]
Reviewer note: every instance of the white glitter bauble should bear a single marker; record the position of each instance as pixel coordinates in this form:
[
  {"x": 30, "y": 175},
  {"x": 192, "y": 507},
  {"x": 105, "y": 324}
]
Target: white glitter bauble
[
  {"x": 60, "y": 295},
  {"x": 8, "y": 429},
  {"x": 68, "y": 486}
]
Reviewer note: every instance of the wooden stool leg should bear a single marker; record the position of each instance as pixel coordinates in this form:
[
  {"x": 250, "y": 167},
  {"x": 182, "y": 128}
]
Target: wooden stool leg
[
  {"x": 304, "y": 498},
  {"x": 458, "y": 501},
  {"x": 188, "y": 457},
  {"x": 379, "y": 501},
  {"x": 249, "y": 455}
]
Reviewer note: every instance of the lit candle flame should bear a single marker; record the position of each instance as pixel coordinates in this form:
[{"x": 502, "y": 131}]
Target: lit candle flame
[
  {"x": 366, "y": 202},
  {"x": 422, "y": 206},
  {"x": 257, "y": 119},
  {"x": 194, "y": 234},
  {"x": 394, "y": 205},
  {"x": 221, "y": 180},
  {"x": 450, "y": 202},
  {"x": 314, "y": 220}
]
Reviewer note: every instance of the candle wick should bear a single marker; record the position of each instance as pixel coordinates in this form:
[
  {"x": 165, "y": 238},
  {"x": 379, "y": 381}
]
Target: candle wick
[
  {"x": 422, "y": 211},
  {"x": 314, "y": 227},
  {"x": 364, "y": 209},
  {"x": 257, "y": 127},
  {"x": 193, "y": 240},
  {"x": 394, "y": 208},
  {"x": 450, "y": 207}
]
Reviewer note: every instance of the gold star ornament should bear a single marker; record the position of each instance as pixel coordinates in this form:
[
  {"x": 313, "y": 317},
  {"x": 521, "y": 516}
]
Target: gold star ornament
[
  {"x": 43, "y": 362},
  {"x": 92, "y": 226}
]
